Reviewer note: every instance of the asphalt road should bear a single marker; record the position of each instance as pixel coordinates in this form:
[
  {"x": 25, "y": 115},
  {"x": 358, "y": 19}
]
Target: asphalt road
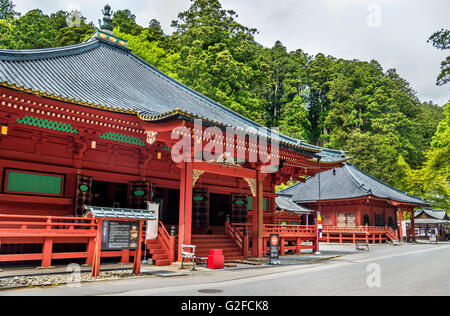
[{"x": 407, "y": 270}]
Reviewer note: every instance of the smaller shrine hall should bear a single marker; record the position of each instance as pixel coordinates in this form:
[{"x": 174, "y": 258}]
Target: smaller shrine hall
[
  {"x": 353, "y": 205},
  {"x": 430, "y": 221}
]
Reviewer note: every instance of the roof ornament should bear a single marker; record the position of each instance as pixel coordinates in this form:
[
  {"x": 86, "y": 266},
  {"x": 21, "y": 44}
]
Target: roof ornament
[{"x": 107, "y": 20}]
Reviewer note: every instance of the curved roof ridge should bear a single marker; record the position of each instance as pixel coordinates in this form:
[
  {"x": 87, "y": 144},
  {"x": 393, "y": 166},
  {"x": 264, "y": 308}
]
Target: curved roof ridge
[
  {"x": 359, "y": 184},
  {"x": 384, "y": 183},
  {"x": 204, "y": 98},
  {"x": 292, "y": 187},
  {"x": 45, "y": 53},
  {"x": 142, "y": 100}
]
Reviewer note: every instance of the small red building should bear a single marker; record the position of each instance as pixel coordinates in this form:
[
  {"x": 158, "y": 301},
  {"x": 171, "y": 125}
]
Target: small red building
[
  {"x": 353, "y": 205},
  {"x": 94, "y": 125}
]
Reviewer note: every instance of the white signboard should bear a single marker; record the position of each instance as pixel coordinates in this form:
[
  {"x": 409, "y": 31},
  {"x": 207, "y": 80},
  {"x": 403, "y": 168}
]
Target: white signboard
[
  {"x": 152, "y": 226},
  {"x": 403, "y": 229}
]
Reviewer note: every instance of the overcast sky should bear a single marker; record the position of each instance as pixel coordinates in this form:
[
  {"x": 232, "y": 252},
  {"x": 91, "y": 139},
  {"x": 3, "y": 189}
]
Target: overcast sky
[{"x": 394, "y": 32}]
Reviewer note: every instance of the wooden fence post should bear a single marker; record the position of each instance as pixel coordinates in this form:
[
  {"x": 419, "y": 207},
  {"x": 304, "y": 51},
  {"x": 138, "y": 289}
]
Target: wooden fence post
[{"x": 47, "y": 251}]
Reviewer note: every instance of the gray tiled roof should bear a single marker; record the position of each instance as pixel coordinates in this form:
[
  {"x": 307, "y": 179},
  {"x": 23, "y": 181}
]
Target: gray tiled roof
[
  {"x": 348, "y": 182},
  {"x": 109, "y": 212},
  {"x": 284, "y": 202},
  {"x": 105, "y": 74},
  {"x": 438, "y": 214}
]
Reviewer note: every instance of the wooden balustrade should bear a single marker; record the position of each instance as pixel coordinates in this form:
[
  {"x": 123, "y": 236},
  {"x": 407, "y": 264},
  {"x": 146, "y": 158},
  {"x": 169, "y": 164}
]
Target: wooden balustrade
[
  {"x": 21, "y": 232},
  {"x": 240, "y": 238},
  {"x": 167, "y": 241},
  {"x": 373, "y": 234}
]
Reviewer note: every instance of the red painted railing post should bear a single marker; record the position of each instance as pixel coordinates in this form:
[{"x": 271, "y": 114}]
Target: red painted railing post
[
  {"x": 298, "y": 245},
  {"x": 90, "y": 251},
  {"x": 125, "y": 256},
  {"x": 47, "y": 252},
  {"x": 245, "y": 244}
]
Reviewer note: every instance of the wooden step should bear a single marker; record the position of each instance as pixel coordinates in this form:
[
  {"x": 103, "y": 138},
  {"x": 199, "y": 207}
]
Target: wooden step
[
  {"x": 157, "y": 251},
  {"x": 226, "y": 255},
  {"x": 209, "y": 236},
  {"x": 160, "y": 257},
  {"x": 164, "y": 262}
]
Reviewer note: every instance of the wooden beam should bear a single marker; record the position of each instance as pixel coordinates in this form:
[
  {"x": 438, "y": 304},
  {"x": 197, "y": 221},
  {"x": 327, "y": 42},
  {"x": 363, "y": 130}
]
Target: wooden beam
[{"x": 225, "y": 170}]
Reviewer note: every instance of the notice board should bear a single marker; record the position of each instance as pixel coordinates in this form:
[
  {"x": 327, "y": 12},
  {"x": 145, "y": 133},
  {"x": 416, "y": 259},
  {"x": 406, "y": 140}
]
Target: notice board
[{"x": 120, "y": 235}]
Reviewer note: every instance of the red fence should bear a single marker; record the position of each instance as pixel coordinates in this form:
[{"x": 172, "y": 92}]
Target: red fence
[
  {"x": 353, "y": 234},
  {"x": 240, "y": 238},
  {"x": 293, "y": 238},
  {"x": 33, "y": 238}
]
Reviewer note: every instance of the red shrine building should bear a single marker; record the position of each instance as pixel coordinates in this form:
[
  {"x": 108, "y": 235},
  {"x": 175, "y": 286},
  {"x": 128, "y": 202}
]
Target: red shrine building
[
  {"x": 95, "y": 125},
  {"x": 354, "y": 206}
]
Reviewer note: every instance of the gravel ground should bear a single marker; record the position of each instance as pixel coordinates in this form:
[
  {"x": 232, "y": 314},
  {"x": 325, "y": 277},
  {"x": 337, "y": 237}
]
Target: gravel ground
[{"x": 59, "y": 279}]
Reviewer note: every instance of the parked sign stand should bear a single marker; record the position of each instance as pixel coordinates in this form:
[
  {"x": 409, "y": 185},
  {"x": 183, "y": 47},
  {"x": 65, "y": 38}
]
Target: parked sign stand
[
  {"x": 118, "y": 229},
  {"x": 274, "y": 258}
]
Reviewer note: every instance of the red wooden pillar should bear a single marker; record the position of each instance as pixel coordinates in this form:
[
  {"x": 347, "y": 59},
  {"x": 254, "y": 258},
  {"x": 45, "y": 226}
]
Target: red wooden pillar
[
  {"x": 98, "y": 251},
  {"x": 185, "y": 226},
  {"x": 90, "y": 251},
  {"x": 282, "y": 246},
  {"x": 358, "y": 216},
  {"x": 47, "y": 252},
  {"x": 138, "y": 255},
  {"x": 413, "y": 226},
  {"x": 125, "y": 256},
  {"x": 400, "y": 217},
  {"x": 258, "y": 219},
  {"x": 172, "y": 249}
]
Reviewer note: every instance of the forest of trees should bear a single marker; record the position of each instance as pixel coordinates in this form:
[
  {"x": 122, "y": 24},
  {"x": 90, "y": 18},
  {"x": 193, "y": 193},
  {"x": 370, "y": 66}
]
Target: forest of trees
[{"x": 357, "y": 106}]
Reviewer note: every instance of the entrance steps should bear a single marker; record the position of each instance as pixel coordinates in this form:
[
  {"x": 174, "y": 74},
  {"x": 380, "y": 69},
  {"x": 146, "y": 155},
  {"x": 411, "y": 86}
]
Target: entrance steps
[
  {"x": 159, "y": 254},
  {"x": 205, "y": 243}
]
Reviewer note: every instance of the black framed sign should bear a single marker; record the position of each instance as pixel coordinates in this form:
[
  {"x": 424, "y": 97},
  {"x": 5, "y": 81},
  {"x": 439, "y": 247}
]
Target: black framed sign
[
  {"x": 274, "y": 255},
  {"x": 120, "y": 235}
]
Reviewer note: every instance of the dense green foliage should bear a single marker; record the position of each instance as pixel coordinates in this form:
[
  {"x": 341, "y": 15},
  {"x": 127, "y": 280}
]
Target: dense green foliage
[
  {"x": 37, "y": 30},
  {"x": 7, "y": 10},
  {"x": 351, "y": 105},
  {"x": 441, "y": 40}
]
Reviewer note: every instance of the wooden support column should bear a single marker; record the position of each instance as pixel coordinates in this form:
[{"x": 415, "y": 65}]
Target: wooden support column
[
  {"x": 185, "y": 224},
  {"x": 258, "y": 219},
  {"x": 98, "y": 251},
  {"x": 413, "y": 227},
  {"x": 400, "y": 217},
  {"x": 138, "y": 255},
  {"x": 358, "y": 216},
  {"x": 47, "y": 252},
  {"x": 125, "y": 256}
]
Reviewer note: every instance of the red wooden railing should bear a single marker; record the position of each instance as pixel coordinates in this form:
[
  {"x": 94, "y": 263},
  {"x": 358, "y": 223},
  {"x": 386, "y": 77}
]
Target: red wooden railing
[
  {"x": 167, "y": 241},
  {"x": 240, "y": 238},
  {"x": 292, "y": 237},
  {"x": 358, "y": 233},
  {"x": 47, "y": 231},
  {"x": 19, "y": 234},
  {"x": 290, "y": 230}
]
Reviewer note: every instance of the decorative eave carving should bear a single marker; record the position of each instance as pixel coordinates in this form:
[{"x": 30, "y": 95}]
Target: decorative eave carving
[
  {"x": 252, "y": 185},
  {"x": 151, "y": 137},
  {"x": 196, "y": 174}
]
